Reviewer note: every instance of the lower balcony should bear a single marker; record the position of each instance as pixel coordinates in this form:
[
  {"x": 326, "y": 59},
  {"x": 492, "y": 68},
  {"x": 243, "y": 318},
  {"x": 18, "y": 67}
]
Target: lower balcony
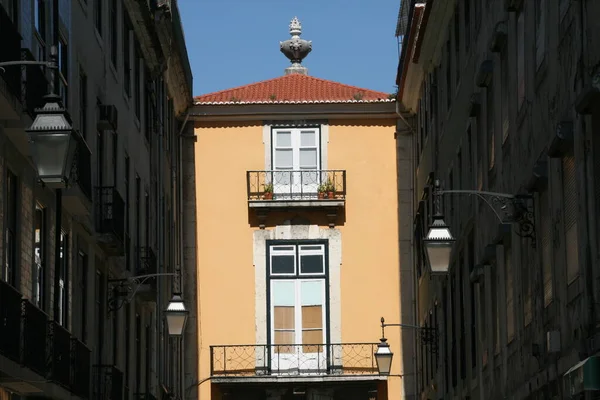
[
  {"x": 38, "y": 355},
  {"x": 107, "y": 383},
  {"x": 146, "y": 264},
  {"x": 294, "y": 362}
]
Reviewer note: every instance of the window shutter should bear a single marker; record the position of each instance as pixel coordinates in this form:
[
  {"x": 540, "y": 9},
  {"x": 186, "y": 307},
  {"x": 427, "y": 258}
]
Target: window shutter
[
  {"x": 546, "y": 241},
  {"x": 510, "y": 309},
  {"x": 570, "y": 217}
]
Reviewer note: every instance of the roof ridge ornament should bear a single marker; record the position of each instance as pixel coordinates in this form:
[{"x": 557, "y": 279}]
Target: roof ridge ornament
[{"x": 296, "y": 49}]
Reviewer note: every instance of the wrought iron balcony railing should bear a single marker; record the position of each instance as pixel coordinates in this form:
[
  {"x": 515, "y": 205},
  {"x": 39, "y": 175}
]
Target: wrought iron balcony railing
[
  {"x": 10, "y": 321},
  {"x": 10, "y": 50},
  {"x": 291, "y": 185},
  {"x": 80, "y": 368},
  {"x": 293, "y": 360},
  {"x": 107, "y": 383},
  {"x": 110, "y": 219},
  {"x": 35, "y": 334},
  {"x": 60, "y": 354}
]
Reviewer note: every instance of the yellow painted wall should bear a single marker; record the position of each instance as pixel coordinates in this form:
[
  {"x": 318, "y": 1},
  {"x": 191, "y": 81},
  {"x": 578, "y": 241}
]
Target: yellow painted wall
[{"x": 370, "y": 256}]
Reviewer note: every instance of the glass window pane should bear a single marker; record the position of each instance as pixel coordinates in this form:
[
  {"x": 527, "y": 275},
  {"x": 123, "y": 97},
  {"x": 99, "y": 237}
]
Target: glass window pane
[
  {"x": 283, "y": 248},
  {"x": 284, "y": 337},
  {"x": 283, "y": 264},
  {"x": 283, "y": 317},
  {"x": 307, "y": 138},
  {"x": 283, "y": 293},
  {"x": 313, "y": 248},
  {"x": 312, "y": 317},
  {"x": 284, "y": 158},
  {"x": 312, "y": 337},
  {"x": 308, "y": 158},
  {"x": 284, "y": 139},
  {"x": 312, "y": 292},
  {"x": 312, "y": 264},
  {"x": 282, "y": 178}
]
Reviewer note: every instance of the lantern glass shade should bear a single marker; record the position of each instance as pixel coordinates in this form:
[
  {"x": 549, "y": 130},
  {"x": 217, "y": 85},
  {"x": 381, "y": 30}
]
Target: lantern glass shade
[
  {"x": 383, "y": 358},
  {"x": 53, "y": 143},
  {"x": 438, "y": 246},
  {"x": 176, "y": 315}
]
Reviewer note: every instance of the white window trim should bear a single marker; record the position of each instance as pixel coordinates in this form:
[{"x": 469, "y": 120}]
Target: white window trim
[{"x": 267, "y": 141}]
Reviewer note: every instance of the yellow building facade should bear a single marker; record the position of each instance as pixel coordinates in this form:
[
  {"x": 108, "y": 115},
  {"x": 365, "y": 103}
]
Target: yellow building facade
[{"x": 298, "y": 215}]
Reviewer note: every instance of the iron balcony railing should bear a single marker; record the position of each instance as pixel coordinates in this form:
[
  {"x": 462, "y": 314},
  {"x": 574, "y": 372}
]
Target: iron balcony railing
[
  {"x": 35, "y": 334},
  {"x": 107, "y": 383},
  {"x": 80, "y": 368},
  {"x": 110, "y": 213},
  {"x": 293, "y": 359},
  {"x": 59, "y": 340},
  {"x": 296, "y": 185},
  {"x": 10, "y": 321},
  {"x": 10, "y": 50}
]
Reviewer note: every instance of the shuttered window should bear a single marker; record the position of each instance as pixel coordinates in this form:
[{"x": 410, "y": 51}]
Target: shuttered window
[
  {"x": 546, "y": 242},
  {"x": 570, "y": 216},
  {"x": 510, "y": 309}
]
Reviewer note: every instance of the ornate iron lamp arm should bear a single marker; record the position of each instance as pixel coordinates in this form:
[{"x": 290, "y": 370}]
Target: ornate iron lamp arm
[
  {"x": 128, "y": 288},
  {"x": 508, "y": 208},
  {"x": 47, "y": 64},
  {"x": 428, "y": 335}
]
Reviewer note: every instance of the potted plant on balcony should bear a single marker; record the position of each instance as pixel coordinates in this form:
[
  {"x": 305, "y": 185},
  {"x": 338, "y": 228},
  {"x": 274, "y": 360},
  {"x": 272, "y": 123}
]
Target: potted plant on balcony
[
  {"x": 330, "y": 189},
  {"x": 326, "y": 190},
  {"x": 321, "y": 190},
  {"x": 268, "y": 191}
]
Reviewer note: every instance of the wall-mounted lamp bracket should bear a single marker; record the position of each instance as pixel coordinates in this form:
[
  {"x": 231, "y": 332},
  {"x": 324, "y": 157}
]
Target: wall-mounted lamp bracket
[
  {"x": 123, "y": 291},
  {"x": 428, "y": 335},
  {"x": 508, "y": 208}
]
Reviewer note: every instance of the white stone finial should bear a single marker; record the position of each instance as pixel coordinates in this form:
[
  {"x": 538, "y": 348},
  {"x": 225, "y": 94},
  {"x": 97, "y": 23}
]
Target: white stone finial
[{"x": 295, "y": 27}]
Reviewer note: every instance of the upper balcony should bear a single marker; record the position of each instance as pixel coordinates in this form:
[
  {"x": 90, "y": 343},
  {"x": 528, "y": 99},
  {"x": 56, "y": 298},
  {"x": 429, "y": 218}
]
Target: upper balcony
[
  {"x": 285, "y": 189},
  {"x": 37, "y": 350},
  {"x": 293, "y": 362}
]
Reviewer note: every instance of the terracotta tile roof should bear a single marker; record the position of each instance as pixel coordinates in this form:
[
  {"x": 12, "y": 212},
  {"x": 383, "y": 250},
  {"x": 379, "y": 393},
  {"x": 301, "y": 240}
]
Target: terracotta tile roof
[{"x": 293, "y": 88}]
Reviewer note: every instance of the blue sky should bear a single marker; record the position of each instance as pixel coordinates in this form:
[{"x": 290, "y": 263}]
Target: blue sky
[{"x": 236, "y": 42}]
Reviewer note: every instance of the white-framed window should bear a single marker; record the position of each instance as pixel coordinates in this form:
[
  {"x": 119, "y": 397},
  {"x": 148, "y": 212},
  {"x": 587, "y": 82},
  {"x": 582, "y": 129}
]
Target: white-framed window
[
  {"x": 297, "y": 306},
  {"x": 296, "y": 158}
]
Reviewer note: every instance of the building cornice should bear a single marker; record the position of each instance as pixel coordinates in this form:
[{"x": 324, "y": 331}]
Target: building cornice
[{"x": 260, "y": 112}]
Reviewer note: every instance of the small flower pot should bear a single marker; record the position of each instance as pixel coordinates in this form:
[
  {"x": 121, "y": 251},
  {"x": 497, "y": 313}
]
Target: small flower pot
[
  {"x": 321, "y": 195},
  {"x": 268, "y": 196},
  {"x": 330, "y": 195}
]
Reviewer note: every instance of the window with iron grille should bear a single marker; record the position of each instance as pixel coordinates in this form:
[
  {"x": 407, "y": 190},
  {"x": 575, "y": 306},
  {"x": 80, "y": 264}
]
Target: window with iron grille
[
  {"x": 127, "y": 31},
  {"x": 83, "y": 101},
  {"x": 490, "y": 121}
]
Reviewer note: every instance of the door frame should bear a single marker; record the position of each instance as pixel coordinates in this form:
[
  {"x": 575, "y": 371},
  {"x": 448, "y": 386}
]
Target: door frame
[{"x": 325, "y": 276}]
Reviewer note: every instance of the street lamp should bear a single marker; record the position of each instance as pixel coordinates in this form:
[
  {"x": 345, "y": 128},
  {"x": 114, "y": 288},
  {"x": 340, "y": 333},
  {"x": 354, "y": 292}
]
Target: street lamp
[
  {"x": 53, "y": 143},
  {"x": 176, "y": 315},
  {"x": 383, "y": 357},
  {"x": 438, "y": 246}
]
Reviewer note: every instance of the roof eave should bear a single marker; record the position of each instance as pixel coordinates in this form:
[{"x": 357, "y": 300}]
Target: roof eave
[{"x": 287, "y": 111}]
